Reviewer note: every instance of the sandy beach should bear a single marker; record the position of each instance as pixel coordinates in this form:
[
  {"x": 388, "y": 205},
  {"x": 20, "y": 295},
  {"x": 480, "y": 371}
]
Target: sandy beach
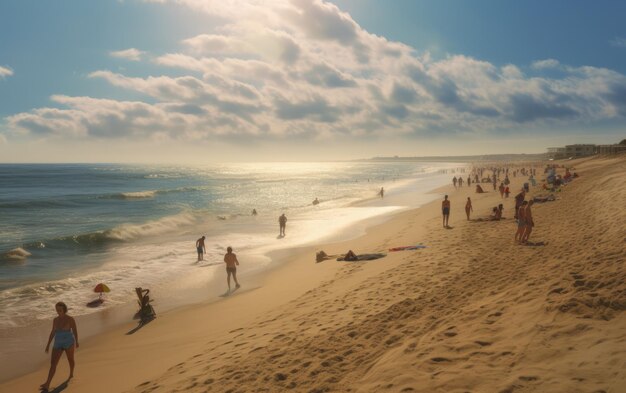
[{"x": 471, "y": 312}]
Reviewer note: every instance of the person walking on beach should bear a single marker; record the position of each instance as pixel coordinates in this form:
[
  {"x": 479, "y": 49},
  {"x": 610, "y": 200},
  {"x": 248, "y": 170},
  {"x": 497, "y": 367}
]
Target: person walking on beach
[
  {"x": 445, "y": 209},
  {"x": 200, "y": 248},
  {"x": 529, "y": 222},
  {"x": 454, "y": 181},
  {"x": 460, "y": 182},
  {"x": 65, "y": 340},
  {"x": 381, "y": 192},
  {"x": 231, "y": 261},
  {"x": 282, "y": 224},
  {"x": 468, "y": 208},
  {"x": 501, "y": 188}
]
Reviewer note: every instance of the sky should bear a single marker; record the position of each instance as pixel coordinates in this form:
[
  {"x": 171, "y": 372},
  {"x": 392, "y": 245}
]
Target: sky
[{"x": 196, "y": 81}]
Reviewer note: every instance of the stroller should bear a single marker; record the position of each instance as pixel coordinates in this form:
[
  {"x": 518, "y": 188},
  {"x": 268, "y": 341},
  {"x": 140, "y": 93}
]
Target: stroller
[{"x": 146, "y": 312}]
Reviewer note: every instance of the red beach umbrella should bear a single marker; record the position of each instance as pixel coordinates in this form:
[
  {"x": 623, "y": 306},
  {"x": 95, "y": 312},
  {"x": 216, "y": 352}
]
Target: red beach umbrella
[{"x": 101, "y": 288}]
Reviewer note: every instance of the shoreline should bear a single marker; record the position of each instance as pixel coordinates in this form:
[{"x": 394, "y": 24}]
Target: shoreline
[
  {"x": 117, "y": 317},
  {"x": 289, "y": 266}
]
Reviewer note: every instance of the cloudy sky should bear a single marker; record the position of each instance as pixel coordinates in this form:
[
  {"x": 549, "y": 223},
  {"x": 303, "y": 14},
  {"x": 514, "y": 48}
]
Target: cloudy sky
[{"x": 242, "y": 80}]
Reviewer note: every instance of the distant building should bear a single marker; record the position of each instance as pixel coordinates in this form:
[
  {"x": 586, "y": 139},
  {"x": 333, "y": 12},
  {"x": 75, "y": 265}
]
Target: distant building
[
  {"x": 610, "y": 149},
  {"x": 584, "y": 150},
  {"x": 556, "y": 152},
  {"x": 579, "y": 150}
]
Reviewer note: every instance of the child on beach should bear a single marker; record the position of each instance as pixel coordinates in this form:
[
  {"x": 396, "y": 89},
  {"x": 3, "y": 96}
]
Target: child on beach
[
  {"x": 231, "y": 261},
  {"x": 65, "y": 337}
]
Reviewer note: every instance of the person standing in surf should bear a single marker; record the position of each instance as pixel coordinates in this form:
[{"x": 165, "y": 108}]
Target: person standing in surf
[
  {"x": 65, "y": 337},
  {"x": 231, "y": 261},
  {"x": 282, "y": 224},
  {"x": 200, "y": 248}
]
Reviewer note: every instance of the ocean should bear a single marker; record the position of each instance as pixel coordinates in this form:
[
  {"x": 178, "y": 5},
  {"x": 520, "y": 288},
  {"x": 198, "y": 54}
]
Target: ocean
[{"x": 66, "y": 227}]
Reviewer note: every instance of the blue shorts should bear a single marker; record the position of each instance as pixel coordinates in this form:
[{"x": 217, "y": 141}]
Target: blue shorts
[
  {"x": 446, "y": 211},
  {"x": 63, "y": 339},
  {"x": 200, "y": 250}
]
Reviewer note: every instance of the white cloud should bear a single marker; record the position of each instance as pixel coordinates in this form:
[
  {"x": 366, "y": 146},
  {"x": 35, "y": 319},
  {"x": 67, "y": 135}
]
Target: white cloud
[
  {"x": 5, "y": 71},
  {"x": 544, "y": 64},
  {"x": 305, "y": 69},
  {"x": 619, "y": 42},
  {"x": 131, "y": 54}
]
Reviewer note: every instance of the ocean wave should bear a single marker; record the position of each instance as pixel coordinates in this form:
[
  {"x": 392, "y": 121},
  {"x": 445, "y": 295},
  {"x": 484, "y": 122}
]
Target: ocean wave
[
  {"x": 146, "y": 194},
  {"x": 138, "y": 194},
  {"x": 93, "y": 240},
  {"x": 17, "y": 254},
  {"x": 126, "y": 232}
]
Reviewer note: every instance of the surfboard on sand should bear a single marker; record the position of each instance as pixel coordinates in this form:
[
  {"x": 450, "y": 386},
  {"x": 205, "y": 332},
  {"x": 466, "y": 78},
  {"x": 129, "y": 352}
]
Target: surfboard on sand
[{"x": 406, "y": 248}]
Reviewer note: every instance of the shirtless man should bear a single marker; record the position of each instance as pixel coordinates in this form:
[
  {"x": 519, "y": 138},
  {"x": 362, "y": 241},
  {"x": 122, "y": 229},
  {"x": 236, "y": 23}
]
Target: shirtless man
[
  {"x": 201, "y": 248},
  {"x": 454, "y": 181},
  {"x": 521, "y": 222},
  {"x": 529, "y": 222},
  {"x": 231, "y": 261},
  {"x": 445, "y": 209}
]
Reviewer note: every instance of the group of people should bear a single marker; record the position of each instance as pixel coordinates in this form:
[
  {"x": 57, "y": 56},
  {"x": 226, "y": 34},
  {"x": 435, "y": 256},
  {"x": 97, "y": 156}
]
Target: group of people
[{"x": 523, "y": 208}]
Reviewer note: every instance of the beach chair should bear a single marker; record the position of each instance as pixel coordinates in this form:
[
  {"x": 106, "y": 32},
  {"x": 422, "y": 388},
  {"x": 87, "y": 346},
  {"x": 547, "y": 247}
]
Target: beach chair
[{"x": 146, "y": 312}]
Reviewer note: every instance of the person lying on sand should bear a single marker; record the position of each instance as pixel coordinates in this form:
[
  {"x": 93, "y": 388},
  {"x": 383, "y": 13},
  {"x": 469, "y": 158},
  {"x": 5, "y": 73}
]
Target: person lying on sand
[{"x": 350, "y": 256}]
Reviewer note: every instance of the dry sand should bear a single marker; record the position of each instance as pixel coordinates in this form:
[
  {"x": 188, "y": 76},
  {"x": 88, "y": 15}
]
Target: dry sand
[{"x": 473, "y": 312}]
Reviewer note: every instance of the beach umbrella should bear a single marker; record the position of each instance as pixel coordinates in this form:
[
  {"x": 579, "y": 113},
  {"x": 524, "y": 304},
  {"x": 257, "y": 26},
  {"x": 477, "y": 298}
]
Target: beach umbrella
[{"x": 101, "y": 288}]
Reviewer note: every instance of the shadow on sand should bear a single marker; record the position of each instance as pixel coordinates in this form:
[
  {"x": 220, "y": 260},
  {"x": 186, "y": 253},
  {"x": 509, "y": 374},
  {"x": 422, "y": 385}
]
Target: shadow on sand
[
  {"x": 535, "y": 244},
  {"x": 139, "y": 326},
  {"x": 58, "y": 389}
]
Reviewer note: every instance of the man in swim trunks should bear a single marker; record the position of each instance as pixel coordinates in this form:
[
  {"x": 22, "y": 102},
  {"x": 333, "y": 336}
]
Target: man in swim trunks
[
  {"x": 201, "y": 248},
  {"x": 231, "y": 267},
  {"x": 65, "y": 337},
  {"x": 445, "y": 209}
]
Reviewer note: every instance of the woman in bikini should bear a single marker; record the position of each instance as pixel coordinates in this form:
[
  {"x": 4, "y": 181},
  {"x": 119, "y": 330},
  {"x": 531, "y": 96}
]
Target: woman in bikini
[
  {"x": 65, "y": 340},
  {"x": 468, "y": 208}
]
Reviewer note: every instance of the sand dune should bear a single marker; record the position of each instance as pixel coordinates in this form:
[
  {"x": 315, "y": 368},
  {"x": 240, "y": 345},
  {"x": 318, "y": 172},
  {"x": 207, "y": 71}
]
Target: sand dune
[{"x": 472, "y": 312}]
